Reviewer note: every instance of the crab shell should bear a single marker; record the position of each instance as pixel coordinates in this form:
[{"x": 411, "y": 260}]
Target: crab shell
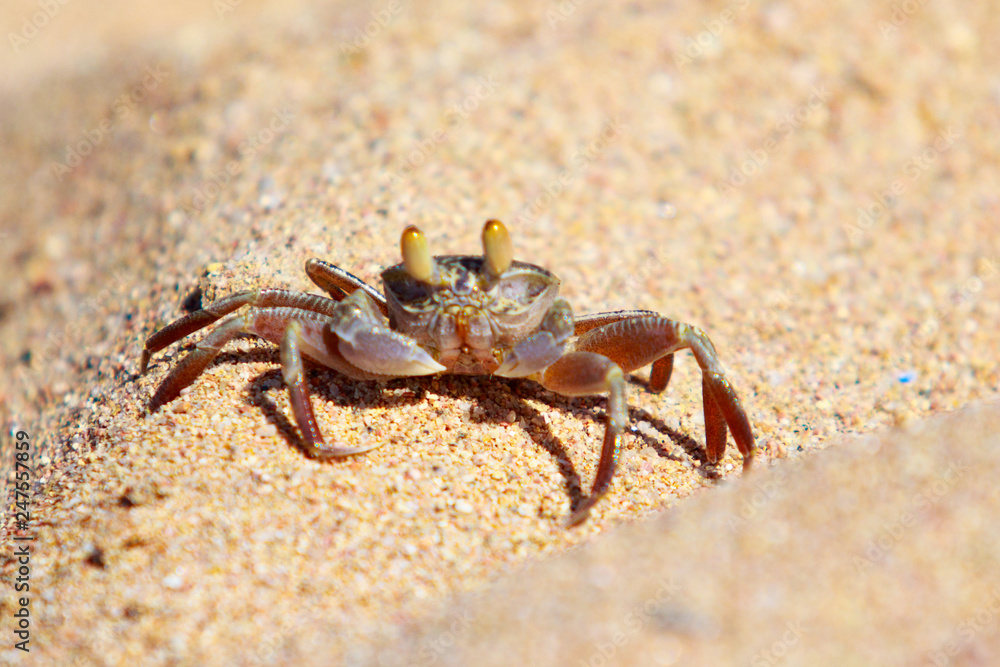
[{"x": 468, "y": 318}]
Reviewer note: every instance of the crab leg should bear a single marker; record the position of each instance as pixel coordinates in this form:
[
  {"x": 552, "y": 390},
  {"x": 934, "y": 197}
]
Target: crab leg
[
  {"x": 339, "y": 283},
  {"x": 293, "y": 329},
  {"x": 659, "y": 375},
  {"x": 293, "y": 371},
  {"x": 191, "y": 366},
  {"x": 637, "y": 341},
  {"x": 584, "y": 374},
  {"x": 262, "y": 298},
  {"x": 264, "y": 322},
  {"x": 585, "y": 323}
]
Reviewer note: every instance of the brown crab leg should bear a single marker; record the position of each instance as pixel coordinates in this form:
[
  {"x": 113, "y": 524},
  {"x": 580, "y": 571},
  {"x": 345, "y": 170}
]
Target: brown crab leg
[
  {"x": 200, "y": 319},
  {"x": 293, "y": 372},
  {"x": 660, "y": 372},
  {"x": 585, "y": 374},
  {"x": 192, "y": 365},
  {"x": 659, "y": 375},
  {"x": 715, "y": 425},
  {"x": 339, "y": 283},
  {"x": 632, "y": 343},
  {"x": 585, "y": 323},
  {"x": 268, "y": 323}
]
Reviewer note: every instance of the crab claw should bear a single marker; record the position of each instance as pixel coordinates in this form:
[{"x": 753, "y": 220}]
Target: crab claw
[
  {"x": 534, "y": 354},
  {"x": 379, "y": 350}
]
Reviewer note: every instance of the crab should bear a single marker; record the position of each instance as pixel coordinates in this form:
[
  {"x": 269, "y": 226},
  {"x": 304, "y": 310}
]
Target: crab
[{"x": 459, "y": 314}]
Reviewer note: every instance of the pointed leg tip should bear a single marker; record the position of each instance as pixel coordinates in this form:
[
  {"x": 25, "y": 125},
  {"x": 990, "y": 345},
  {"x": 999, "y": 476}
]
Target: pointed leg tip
[
  {"x": 320, "y": 450},
  {"x": 577, "y": 517},
  {"x": 581, "y": 513},
  {"x": 161, "y": 398},
  {"x": 316, "y": 450}
]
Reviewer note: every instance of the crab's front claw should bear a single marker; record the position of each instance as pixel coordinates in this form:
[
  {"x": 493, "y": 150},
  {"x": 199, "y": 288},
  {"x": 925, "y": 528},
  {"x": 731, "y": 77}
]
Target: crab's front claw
[
  {"x": 364, "y": 340},
  {"x": 386, "y": 352},
  {"x": 542, "y": 348},
  {"x": 530, "y": 356}
]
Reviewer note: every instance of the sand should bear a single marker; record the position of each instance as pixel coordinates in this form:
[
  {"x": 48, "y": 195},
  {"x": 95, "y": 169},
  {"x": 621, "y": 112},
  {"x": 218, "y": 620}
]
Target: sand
[{"x": 815, "y": 187}]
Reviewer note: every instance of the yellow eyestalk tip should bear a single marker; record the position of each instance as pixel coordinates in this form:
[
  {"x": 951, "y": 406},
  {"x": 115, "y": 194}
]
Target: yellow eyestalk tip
[
  {"x": 417, "y": 255},
  {"x": 497, "y": 247}
]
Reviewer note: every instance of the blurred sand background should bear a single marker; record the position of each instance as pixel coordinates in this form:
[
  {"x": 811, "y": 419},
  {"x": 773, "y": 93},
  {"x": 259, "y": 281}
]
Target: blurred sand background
[{"x": 815, "y": 185}]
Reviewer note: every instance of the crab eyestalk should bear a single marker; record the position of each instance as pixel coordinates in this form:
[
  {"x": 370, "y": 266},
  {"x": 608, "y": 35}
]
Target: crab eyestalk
[
  {"x": 417, "y": 256},
  {"x": 497, "y": 248}
]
